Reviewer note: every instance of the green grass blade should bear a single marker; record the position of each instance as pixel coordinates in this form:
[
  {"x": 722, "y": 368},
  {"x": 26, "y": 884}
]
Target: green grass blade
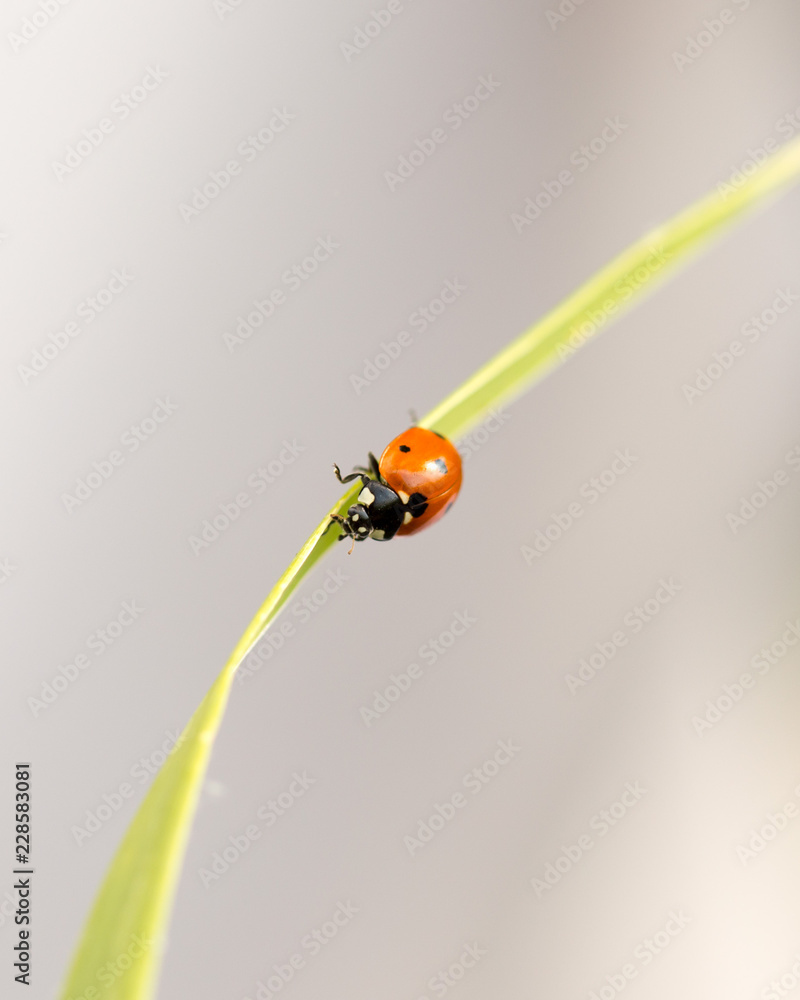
[
  {"x": 536, "y": 352},
  {"x": 129, "y": 917},
  {"x": 130, "y": 913}
]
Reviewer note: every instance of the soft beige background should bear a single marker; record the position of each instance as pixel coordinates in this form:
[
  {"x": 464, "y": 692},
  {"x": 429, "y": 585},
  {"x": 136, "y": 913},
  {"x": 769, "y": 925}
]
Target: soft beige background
[{"x": 284, "y": 400}]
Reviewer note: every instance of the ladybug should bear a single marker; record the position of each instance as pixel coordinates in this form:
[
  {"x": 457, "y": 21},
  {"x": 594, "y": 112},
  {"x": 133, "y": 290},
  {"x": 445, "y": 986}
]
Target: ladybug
[{"x": 415, "y": 483}]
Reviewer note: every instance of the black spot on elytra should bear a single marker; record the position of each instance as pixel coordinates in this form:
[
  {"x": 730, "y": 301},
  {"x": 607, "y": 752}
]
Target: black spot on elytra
[
  {"x": 417, "y": 504},
  {"x": 404, "y": 447}
]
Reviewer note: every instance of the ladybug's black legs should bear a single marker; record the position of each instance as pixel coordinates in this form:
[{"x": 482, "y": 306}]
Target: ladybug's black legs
[
  {"x": 378, "y": 512},
  {"x": 347, "y": 531},
  {"x": 374, "y": 469},
  {"x": 353, "y": 475},
  {"x": 336, "y": 519}
]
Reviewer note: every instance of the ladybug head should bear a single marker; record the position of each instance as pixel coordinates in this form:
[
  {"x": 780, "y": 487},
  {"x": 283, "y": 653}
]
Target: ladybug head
[{"x": 358, "y": 523}]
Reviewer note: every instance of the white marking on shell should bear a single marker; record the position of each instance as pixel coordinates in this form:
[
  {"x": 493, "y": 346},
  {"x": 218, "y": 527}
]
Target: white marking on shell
[
  {"x": 366, "y": 496},
  {"x": 403, "y": 496},
  {"x": 407, "y": 517},
  {"x": 380, "y": 535}
]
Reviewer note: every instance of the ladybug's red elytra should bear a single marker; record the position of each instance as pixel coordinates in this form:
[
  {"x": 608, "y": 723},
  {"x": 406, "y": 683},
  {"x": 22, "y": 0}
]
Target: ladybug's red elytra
[{"x": 415, "y": 483}]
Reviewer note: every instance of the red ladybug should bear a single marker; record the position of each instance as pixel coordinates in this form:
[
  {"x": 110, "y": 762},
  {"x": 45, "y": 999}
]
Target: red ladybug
[{"x": 415, "y": 483}]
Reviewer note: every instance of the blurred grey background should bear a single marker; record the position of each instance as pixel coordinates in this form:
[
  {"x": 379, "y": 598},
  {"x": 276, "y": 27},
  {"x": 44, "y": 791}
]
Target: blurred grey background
[{"x": 595, "y": 787}]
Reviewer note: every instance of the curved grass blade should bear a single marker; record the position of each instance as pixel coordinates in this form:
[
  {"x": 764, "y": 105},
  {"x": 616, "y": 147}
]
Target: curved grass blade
[
  {"x": 128, "y": 920},
  {"x": 610, "y": 292},
  {"x": 130, "y": 914}
]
